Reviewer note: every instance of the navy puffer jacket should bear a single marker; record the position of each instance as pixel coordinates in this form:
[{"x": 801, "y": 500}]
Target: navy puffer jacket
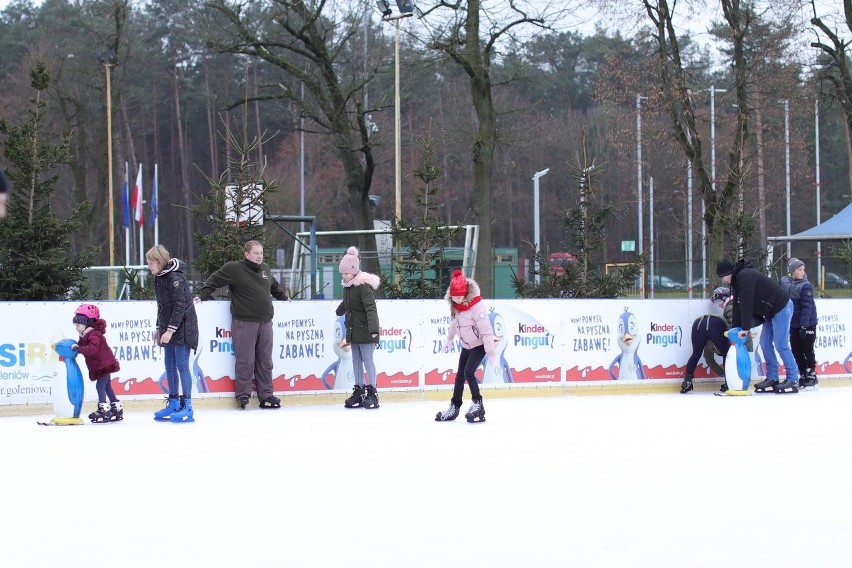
[{"x": 175, "y": 309}]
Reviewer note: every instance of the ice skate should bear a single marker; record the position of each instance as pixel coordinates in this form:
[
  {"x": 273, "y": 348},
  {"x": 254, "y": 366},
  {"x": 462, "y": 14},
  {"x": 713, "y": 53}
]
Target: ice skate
[
  {"x": 184, "y": 414},
  {"x": 101, "y": 414},
  {"x": 357, "y": 398},
  {"x": 766, "y": 385},
  {"x": 116, "y": 413},
  {"x": 808, "y": 381},
  {"x": 371, "y": 397},
  {"x": 787, "y": 387},
  {"x": 172, "y": 406},
  {"x": 476, "y": 412},
  {"x": 270, "y": 401},
  {"x": 242, "y": 401},
  {"x": 686, "y": 385},
  {"x": 449, "y": 414}
]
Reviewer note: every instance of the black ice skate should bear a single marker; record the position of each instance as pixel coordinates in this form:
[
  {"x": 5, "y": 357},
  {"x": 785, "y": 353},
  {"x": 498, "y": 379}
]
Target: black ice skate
[
  {"x": 808, "y": 380},
  {"x": 357, "y": 398},
  {"x": 116, "y": 413},
  {"x": 787, "y": 387},
  {"x": 371, "y": 397},
  {"x": 476, "y": 412},
  {"x": 101, "y": 415},
  {"x": 449, "y": 414},
  {"x": 686, "y": 386},
  {"x": 243, "y": 402},
  {"x": 766, "y": 385},
  {"x": 270, "y": 401}
]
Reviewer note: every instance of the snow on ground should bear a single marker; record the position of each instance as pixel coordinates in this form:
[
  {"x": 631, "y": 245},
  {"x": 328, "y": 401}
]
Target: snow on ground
[{"x": 661, "y": 480}]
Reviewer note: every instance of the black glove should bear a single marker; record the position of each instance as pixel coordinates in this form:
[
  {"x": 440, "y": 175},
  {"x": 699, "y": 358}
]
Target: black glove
[{"x": 803, "y": 332}]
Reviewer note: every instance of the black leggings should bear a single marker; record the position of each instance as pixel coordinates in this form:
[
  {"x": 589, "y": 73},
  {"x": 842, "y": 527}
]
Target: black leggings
[
  {"x": 469, "y": 360},
  {"x": 704, "y": 329}
]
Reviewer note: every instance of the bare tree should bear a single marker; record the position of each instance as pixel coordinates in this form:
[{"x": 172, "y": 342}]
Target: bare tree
[
  {"x": 309, "y": 47},
  {"x": 719, "y": 205},
  {"x": 471, "y": 33},
  {"x": 839, "y": 73}
]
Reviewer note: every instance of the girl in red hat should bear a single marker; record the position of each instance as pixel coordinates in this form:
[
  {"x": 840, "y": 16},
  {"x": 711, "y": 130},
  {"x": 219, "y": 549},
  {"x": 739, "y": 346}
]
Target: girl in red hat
[{"x": 473, "y": 328}]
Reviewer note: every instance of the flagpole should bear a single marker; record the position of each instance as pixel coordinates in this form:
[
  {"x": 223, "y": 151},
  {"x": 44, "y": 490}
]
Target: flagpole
[
  {"x": 125, "y": 213},
  {"x": 156, "y": 211},
  {"x": 141, "y": 221}
]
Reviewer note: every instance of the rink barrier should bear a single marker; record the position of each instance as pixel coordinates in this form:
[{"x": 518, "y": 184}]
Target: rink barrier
[
  {"x": 334, "y": 399},
  {"x": 544, "y": 348}
]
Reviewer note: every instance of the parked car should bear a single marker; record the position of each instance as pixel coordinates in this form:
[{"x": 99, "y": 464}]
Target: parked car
[
  {"x": 664, "y": 283},
  {"x": 701, "y": 283},
  {"x": 834, "y": 280}
]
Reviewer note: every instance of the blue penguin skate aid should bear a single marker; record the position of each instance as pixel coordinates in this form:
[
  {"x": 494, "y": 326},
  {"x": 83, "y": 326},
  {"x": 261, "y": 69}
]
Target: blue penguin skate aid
[
  {"x": 737, "y": 364},
  {"x": 68, "y": 398}
]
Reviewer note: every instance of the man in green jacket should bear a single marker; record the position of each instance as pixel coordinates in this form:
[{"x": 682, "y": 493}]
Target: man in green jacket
[{"x": 252, "y": 288}]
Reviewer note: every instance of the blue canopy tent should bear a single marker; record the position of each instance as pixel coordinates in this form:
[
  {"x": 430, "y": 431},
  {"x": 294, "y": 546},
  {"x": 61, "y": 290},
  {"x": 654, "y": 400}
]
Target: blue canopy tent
[{"x": 838, "y": 228}]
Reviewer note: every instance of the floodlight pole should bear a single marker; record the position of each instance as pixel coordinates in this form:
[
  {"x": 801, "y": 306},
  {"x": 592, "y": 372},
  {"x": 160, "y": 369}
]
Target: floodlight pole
[{"x": 537, "y": 221}]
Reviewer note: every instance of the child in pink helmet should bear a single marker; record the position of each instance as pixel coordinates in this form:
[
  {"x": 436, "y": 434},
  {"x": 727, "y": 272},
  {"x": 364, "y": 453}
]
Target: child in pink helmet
[{"x": 100, "y": 361}]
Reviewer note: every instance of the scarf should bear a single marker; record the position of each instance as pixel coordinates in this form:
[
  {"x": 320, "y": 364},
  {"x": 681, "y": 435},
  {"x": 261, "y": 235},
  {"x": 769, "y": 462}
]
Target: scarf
[{"x": 466, "y": 307}]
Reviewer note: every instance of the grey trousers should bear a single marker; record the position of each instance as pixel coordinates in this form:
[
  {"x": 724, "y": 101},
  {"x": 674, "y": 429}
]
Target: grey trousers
[{"x": 253, "y": 350}]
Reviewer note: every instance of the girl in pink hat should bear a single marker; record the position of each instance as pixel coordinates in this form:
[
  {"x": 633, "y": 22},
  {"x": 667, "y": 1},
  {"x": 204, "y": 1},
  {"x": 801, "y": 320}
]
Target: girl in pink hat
[{"x": 362, "y": 327}]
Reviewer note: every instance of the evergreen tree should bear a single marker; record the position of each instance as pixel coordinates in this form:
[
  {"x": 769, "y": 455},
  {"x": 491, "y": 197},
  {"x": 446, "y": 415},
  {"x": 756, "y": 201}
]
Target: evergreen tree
[
  {"x": 233, "y": 211},
  {"x": 37, "y": 260},
  {"x": 423, "y": 270},
  {"x": 586, "y": 226}
]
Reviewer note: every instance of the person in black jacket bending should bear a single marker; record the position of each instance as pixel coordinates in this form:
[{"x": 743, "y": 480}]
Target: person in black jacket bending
[{"x": 759, "y": 297}]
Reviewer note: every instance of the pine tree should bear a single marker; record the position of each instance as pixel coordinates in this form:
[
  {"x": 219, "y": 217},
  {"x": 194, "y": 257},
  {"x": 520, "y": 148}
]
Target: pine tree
[
  {"x": 232, "y": 210},
  {"x": 585, "y": 234},
  {"x": 423, "y": 270},
  {"x": 37, "y": 260}
]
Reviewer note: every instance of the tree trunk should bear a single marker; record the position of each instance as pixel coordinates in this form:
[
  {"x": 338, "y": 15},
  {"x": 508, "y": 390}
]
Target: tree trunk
[
  {"x": 761, "y": 171},
  {"x": 184, "y": 188}
]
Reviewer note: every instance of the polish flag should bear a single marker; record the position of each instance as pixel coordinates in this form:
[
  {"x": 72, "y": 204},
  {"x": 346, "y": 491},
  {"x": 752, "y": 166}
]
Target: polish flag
[{"x": 136, "y": 200}]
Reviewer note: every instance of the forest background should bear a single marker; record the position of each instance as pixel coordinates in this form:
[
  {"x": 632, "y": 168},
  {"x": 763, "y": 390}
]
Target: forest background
[{"x": 562, "y": 85}]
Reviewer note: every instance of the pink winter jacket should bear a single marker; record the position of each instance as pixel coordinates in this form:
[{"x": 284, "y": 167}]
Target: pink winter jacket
[{"x": 472, "y": 326}]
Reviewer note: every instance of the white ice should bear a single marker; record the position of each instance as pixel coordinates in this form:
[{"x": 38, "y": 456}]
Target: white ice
[{"x": 657, "y": 480}]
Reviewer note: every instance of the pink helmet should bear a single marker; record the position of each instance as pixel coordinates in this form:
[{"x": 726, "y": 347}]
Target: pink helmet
[{"x": 91, "y": 311}]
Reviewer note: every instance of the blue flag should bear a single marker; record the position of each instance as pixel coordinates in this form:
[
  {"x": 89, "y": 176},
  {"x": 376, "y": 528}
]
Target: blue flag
[
  {"x": 154, "y": 201},
  {"x": 125, "y": 205}
]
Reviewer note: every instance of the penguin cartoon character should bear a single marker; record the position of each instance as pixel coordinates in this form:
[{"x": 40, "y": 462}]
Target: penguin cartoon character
[
  {"x": 629, "y": 365},
  {"x": 344, "y": 372},
  {"x": 500, "y": 373},
  {"x": 198, "y": 377}
]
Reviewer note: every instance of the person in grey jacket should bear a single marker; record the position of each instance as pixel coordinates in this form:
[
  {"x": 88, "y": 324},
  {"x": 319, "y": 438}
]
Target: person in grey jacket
[
  {"x": 362, "y": 327},
  {"x": 804, "y": 321},
  {"x": 757, "y": 296},
  {"x": 471, "y": 325}
]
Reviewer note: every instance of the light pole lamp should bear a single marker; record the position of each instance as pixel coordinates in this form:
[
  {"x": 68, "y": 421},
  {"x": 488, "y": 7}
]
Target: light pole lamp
[
  {"x": 639, "y": 213},
  {"x": 536, "y": 222},
  {"x": 406, "y": 10},
  {"x": 108, "y": 60}
]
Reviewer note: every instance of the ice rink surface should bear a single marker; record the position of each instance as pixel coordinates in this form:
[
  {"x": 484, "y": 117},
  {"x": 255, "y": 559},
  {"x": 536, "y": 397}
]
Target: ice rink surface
[{"x": 657, "y": 480}]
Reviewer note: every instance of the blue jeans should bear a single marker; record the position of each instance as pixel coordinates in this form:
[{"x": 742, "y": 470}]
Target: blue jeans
[
  {"x": 177, "y": 361},
  {"x": 362, "y": 360},
  {"x": 776, "y": 336}
]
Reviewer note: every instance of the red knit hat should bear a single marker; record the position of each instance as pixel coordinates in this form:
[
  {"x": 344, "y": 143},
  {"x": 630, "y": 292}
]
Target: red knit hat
[{"x": 458, "y": 285}]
